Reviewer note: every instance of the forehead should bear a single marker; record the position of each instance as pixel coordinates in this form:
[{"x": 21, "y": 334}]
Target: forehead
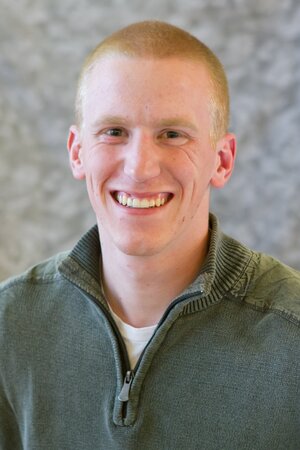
[
  {"x": 117, "y": 83},
  {"x": 117, "y": 69}
]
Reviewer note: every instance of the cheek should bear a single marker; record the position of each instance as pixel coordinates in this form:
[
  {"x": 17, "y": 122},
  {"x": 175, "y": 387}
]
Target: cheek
[
  {"x": 98, "y": 167},
  {"x": 98, "y": 173},
  {"x": 191, "y": 174},
  {"x": 92, "y": 190},
  {"x": 194, "y": 161},
  {"x": 194, "y": 179},
  {"x": 92, "y": 198}
]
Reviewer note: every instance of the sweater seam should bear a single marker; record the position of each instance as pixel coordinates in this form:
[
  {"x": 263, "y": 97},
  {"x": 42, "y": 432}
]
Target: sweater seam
[
  {"x": 48, "y": 279},
  {"x": 287, "y": 315},
  {"x": 225, "y": 293},
  {"x": 242, "y": 273},
  {"x": 81, "y": 283},
  {"x": 283, "y": 313}
]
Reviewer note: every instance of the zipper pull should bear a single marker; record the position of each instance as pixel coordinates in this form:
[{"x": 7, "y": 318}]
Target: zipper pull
[{"x": 124, "y": 394}]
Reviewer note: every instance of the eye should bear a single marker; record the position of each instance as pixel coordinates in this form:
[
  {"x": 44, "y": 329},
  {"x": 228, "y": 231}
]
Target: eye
[
  {"x": 114, "y": 132},
  {"x": 172, "y": 134},
  {"x": 173, "y": 137},
  {"x": 112, "y": 135}
]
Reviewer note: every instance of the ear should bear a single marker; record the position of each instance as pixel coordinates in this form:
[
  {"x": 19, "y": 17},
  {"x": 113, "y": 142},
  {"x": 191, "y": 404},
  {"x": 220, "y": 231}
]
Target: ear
[
  {"x": 226, "y": 152},
  {"x": 75, "y": 153}
]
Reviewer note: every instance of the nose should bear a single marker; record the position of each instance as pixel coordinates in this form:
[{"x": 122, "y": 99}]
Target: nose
[{"x": 142, "y": 160}]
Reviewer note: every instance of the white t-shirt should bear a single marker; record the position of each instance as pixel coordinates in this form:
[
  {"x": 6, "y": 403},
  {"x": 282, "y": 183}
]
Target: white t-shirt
[{"x": 135, "y": 339}]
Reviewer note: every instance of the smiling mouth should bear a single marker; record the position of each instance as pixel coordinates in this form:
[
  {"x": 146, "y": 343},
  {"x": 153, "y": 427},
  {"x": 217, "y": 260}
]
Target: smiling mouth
[{"x": 148, "y": 201}]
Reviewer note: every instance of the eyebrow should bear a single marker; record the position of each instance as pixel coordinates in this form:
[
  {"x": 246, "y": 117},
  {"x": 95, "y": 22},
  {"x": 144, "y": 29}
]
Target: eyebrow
[
  {"x": 178, "y": 122},
  {"x": 168, "y": 122},
  {"x": 110, "y": 119}
]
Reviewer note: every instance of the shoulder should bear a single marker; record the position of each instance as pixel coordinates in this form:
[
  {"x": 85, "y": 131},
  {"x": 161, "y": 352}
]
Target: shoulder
[
  {"x": 274, "y": 286},
  {"x": 29, "y": 302},
  {"x": 45, "y": 270},
  {"x": 21, "y": 286}
]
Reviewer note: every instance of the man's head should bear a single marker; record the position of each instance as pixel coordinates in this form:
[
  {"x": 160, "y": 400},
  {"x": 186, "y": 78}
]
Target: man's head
[
  {"x": 144, "y": 141},
  {"x": 159, "y": 40}
]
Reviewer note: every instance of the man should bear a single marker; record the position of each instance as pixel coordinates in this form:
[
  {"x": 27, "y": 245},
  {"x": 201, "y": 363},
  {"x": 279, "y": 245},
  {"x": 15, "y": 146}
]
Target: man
[{"x": 156, "y": 331}]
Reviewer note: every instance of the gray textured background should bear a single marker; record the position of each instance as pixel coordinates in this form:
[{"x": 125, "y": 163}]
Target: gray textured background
[{"x": 42, "y": 45}]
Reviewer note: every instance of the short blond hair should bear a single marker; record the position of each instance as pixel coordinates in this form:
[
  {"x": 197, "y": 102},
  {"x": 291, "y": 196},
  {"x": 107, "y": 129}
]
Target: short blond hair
[{"x": 158, "y": 40}]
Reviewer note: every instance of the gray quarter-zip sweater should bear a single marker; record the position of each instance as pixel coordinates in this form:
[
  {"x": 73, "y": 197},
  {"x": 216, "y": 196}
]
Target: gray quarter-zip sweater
[{"x": 220, "y": 372}]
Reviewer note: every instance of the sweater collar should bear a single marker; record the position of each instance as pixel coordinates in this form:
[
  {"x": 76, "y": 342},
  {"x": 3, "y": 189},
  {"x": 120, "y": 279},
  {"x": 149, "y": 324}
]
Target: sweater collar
[
  {"x": 223, "y": 270},
  {"x": 224, "y": 265}
]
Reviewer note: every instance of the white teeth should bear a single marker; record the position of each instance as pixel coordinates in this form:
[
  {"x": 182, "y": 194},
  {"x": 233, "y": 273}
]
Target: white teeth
[
  {"x": 144, "y": 203},
  {"x": 132, "y": 202}
]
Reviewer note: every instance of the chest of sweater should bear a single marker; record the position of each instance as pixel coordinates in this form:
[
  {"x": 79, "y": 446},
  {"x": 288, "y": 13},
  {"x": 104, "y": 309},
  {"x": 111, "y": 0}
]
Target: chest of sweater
[{"x": 218, "y": 378}]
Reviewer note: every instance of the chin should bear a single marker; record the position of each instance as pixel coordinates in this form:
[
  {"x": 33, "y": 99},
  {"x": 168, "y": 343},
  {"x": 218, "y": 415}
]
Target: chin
[{"x": 139, "y": 248}]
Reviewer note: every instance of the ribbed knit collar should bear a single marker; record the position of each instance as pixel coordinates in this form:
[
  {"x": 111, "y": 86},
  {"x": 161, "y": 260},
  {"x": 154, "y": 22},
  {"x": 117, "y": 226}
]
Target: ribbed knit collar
[
  {"x": 223, "y": 271},
  {"x": 225, "y": 264}
]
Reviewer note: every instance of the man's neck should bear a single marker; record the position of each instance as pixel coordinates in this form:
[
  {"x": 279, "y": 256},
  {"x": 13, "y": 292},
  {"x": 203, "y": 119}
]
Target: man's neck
[{"x": 139, "y": 289}]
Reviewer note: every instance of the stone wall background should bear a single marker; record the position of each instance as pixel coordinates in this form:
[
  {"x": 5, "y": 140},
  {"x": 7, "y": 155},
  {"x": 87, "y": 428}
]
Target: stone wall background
[{"x": 42, "y": 46}]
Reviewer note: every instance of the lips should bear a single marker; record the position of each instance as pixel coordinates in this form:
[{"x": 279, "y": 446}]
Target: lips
[{"x": 142, "y": 201}]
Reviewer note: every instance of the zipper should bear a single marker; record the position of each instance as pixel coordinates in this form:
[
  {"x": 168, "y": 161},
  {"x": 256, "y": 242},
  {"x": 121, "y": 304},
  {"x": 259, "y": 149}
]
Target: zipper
[
  {"x": 163, "y": 318},
  {"x": 124, "y": 394},
  {"x": 129, "y": 374},
  {"x": 123, "y": 350}
]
